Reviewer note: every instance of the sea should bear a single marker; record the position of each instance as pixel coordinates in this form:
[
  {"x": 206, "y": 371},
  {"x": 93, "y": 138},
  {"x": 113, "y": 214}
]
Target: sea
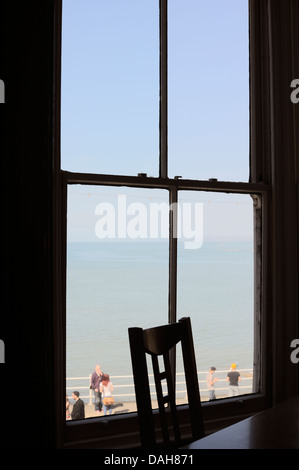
[{"x": 114, "y": 285}]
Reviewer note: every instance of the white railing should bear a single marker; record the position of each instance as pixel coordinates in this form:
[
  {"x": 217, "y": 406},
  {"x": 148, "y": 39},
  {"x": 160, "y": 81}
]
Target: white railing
[{"x": 123, "y": 385}]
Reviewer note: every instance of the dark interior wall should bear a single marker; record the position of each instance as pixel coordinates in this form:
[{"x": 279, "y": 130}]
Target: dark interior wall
[
  {"x": 283, "y": 170},
  {"x": 26, "y": 378}
]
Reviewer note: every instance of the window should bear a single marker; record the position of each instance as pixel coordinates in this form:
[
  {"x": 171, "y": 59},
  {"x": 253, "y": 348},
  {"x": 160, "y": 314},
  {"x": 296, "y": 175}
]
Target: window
[
  {"x": 208, "y": 89},
  {"x": 110, "y": 103},
  {"x": 215, "y": 288},
  {"x": 117, "y": 276},
  {"x": 150, "y": 139}
]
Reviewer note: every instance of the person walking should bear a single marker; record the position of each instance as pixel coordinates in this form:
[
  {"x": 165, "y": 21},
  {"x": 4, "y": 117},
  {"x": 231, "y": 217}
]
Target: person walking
[
  {"x": 78, "y": 411},
  {"x": 233, "y": 378},
  {"x": 211, "y": 379},
  {"x": 68, "y": 414},
  {"x": 95, "y": 382}
]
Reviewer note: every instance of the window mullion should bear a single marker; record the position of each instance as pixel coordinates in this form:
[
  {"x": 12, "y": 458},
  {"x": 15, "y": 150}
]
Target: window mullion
[
  {"x": 172, "y": 302},
  {"x": 173, "y": 220},
  {"x": 163, "y": 157}
]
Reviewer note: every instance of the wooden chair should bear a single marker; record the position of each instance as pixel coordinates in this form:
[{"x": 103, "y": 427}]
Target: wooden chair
[{"x": 160, "y": 341}]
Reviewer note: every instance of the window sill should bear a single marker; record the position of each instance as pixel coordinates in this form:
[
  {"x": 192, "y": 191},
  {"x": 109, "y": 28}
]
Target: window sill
[{"x": 122, "y": 431}]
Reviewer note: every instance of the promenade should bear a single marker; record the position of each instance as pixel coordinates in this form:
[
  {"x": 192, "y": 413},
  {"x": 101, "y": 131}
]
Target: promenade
[
  {"x": 119, "y": 407},
  {"x": 124, "y": 393}
]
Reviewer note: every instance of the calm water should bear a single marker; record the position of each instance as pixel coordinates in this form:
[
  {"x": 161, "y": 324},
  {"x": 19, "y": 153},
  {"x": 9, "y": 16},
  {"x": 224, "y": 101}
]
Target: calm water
[{"x": 114, "y": 285}]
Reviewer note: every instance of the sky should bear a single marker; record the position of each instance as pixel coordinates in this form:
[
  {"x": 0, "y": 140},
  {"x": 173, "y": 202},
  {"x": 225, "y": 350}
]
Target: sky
[{"x": 110, "y": 96}]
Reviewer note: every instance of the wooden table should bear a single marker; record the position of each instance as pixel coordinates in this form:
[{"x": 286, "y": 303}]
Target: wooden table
[{"x": 275, "y": 428}]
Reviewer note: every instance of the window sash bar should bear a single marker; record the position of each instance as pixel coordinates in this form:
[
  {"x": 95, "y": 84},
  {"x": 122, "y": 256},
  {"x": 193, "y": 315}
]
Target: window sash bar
[
  {"x": 173, "y": 227},
  {"x": 163, "y": 103},
  {"x": 162, "y": 183}
]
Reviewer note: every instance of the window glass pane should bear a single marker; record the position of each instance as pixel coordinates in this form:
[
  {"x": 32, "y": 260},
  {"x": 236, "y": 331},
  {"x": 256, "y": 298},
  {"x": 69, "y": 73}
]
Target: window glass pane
[
  {"x": 117, "y": 277},
  {"x": 110, "y": 86},
  {"x": 208, "y": 89},
  {"x": 216, "y": 285}
]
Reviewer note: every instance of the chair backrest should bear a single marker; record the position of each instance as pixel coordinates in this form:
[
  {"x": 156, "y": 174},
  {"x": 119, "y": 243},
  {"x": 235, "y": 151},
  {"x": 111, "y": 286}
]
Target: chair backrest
[{"x": 161, "y": 341}]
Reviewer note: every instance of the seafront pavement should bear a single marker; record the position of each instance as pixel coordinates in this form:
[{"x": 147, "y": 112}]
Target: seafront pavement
[
  {"x": 118, "y": 408},
  {"x": 121, "y": 407}
]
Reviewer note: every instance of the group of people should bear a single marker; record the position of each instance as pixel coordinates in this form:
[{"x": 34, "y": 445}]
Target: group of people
[
  {"x": 102, "y": 387},
  {"x": 233, "y": 378}
]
